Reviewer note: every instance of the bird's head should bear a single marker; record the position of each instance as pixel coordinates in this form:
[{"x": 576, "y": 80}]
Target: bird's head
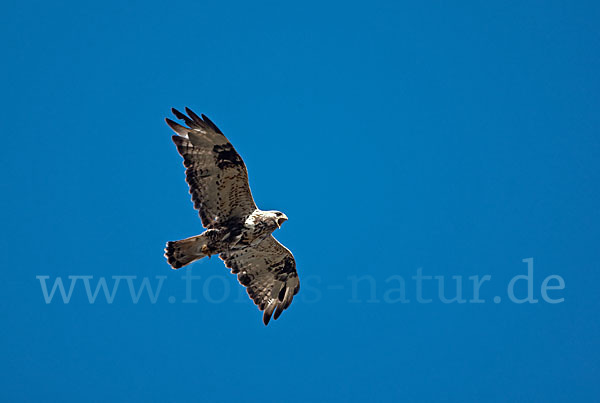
[{"x": 279, "y": 217}]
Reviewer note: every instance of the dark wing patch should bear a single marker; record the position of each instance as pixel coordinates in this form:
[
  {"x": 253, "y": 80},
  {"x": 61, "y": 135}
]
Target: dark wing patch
[
  {"x": 226, "y": 156},
  {"x": 268, "y": 271},
  {"x": 215, "y": 172}
]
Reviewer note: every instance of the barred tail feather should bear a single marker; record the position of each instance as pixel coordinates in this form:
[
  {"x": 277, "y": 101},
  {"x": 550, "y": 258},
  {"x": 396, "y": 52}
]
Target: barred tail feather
[{"x": 186, "y": 251}]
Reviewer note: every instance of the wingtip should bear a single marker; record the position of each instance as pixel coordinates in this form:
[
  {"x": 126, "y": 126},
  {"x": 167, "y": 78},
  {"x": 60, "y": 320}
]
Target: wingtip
[
  {"x": 178, "y": 114},
  {"x": 211, "y": 123},
  {"x": 174, "y": 125},
  {"x": 193, "y": 115},
  {"x": 278, "y": 312}
]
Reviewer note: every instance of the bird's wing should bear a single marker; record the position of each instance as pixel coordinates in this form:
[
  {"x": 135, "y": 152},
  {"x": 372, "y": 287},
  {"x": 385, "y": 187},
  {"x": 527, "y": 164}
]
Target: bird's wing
[
  {"x": 268, "y": 271},
  {"x": 215, "y": 172}
]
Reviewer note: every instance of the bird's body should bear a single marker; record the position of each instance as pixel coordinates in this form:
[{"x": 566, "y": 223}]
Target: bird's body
[
  {"x": 236, "y": 230},
  {"x": 234, "y": 234}
]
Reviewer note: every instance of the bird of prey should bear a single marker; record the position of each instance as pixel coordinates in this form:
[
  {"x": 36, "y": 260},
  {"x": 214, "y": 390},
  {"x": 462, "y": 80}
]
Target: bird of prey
[{"x": 236, "y": 230}]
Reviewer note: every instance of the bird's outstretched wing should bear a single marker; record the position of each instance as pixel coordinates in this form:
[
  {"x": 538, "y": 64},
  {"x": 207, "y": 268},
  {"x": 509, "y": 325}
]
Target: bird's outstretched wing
[
  {"x": 215, "y": 172},
  {"x": 268, "y": 271}
]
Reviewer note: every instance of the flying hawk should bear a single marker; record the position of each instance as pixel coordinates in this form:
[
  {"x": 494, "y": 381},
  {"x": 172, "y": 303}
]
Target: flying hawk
[{"x": 236, "y": 230}]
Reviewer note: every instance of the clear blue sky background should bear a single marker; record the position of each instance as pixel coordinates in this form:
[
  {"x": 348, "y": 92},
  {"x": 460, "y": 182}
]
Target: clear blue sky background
[{"x": 458, "y": 138}]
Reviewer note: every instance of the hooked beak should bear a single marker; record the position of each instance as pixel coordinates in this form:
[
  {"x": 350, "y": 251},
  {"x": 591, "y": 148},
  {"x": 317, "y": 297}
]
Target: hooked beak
[{"x": 281, "y": 220}]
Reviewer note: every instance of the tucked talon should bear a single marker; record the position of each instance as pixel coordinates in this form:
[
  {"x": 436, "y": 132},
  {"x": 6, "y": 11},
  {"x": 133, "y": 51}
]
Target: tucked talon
[{"x": 205, "y": 250}]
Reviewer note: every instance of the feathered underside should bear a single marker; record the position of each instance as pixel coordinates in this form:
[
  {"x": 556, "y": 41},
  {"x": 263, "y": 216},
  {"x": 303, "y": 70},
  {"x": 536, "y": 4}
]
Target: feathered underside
[
  {"x": 218, "y": 182},
  {"x": 268, "y": 271},
  {"x": 215, "y": 172}
]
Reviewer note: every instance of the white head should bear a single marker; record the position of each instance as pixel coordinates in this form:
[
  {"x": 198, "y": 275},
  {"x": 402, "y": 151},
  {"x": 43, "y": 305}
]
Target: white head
[{"x": 277, "y": 216}]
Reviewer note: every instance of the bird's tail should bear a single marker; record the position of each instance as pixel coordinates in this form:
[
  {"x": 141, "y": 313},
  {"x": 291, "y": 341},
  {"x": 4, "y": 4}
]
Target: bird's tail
[{"x": 186, "y": 251}]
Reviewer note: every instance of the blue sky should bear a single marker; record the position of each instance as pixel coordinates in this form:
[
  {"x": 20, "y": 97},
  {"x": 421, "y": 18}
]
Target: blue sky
[{"x": 454, "y": 139}]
